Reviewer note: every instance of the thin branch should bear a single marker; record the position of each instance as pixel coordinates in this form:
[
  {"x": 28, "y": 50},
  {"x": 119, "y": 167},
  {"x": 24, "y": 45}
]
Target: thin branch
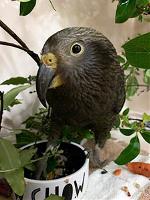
[
  {"x": 10, "y": 32},
  {"x": 34, "y": 56},
  {"x": 52, "y": 5},
  {"x": 25, "y": 47},
  {"x": 135, "y": 119},
  {"x": 137, "y": 85},
  {"x": 1, "y": 107}
]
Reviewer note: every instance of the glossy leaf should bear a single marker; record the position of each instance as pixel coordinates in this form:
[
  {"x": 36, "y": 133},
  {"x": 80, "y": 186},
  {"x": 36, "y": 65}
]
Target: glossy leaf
[
  {"x": 130, "y": 8},
  {"x": 9, "y": 156},
  {"x": 15, "y": 180},
  {"x": 126, "y": 65},
  {"x": 117, "y": 122},
  {"x": 15, "y": 81},
  {"x": 9, "y": 160},
  {"x": 121, "y": 59},
  {"x": 124, "y": 10},
  {"x": 15, "y": 102},
  {"x": 137, "y": 51},
  {"x": 142, "y": 3},
  {"x": 25, "y": 137},
  {"x": 10, "y": 96},
  {"x": 87, "y": 134},
  {"x": 26, "y": 156},
  {"x": 125, "y": 121},
  {"x": 146, "y": 118},
  {"x": 126, "y": 111},
  {"x": 27, "y": 7},
  {"x": 147, "y": 77},
  {"x": 146, "y": 135},
  {"x": 51, "y": 164},
  {"x": 132, "y": 86},
  {"x": 130, "y": 152},
  {"x": 127, "y": 131}
]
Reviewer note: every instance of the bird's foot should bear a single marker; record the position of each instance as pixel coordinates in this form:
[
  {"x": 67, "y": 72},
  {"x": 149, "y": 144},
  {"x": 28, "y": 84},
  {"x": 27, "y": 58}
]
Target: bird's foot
[
  {"x": 97, "y": 158},
  {"x": 100, "y": 157}
]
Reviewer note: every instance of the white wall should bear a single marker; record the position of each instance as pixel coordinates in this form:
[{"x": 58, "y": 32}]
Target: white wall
[{"x": 35, "y": 28}]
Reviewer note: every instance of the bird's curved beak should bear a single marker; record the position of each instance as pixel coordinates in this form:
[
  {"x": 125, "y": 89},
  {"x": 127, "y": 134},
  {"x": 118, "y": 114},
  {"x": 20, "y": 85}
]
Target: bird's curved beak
[{"x": 44, "y": 78}]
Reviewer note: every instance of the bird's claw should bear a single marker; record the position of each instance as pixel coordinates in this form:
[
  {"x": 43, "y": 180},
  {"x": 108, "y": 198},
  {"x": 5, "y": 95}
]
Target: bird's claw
[{"x": 96, "y": 161}]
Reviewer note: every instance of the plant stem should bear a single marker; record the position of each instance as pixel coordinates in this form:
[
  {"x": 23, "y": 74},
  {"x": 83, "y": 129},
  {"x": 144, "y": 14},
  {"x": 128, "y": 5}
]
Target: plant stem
[
  {"x": 138, "y": 85},
  {"x": 52, "y": 5},
  {"x": 33, "y": 55},
  {"x": 1, "y": 107},
  {"x": 32, "y": 161},
  {"x": 135, "y": 119},
  {"x": 13, "y": 35},
  {"x": 25, "y": 47}
]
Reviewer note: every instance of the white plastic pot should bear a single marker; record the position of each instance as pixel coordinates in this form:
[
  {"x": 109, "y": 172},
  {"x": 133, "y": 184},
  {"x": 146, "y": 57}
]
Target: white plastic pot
[{"x": 70, "y": 187}]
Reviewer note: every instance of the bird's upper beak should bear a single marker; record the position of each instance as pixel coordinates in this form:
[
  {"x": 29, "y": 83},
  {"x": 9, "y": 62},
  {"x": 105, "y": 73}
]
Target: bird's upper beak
[{"x": 47, "y": 77}]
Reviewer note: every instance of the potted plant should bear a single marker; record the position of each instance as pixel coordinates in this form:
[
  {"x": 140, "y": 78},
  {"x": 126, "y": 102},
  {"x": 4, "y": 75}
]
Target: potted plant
[
  {"x": 127, "y": 127},
  {"x": 70, "y": 170},
  {"x": 67, "y": 168},
  {"x": 69, "y": 178}
]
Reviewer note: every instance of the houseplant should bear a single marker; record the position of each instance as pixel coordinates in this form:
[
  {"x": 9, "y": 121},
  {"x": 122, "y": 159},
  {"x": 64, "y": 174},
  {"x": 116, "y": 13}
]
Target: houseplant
[
  {"x": 132, "y": 82},
  {"x": 71, "y": 161},
  {"x": 10, "y": 169}
]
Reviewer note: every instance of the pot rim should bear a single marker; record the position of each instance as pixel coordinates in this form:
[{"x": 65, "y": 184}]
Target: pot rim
[{"x": 62, "y": 178}]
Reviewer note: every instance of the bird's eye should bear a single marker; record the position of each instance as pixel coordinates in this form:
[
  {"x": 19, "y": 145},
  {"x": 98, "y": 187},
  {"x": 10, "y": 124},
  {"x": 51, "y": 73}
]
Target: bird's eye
[{"x": 77, "y": 49}]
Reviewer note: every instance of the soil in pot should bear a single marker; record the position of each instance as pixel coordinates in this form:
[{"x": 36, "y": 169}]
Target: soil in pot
[{"x": 73, "y": 159}]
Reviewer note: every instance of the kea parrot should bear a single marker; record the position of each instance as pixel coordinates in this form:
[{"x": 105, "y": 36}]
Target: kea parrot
[{"x": 81, "y": 80}]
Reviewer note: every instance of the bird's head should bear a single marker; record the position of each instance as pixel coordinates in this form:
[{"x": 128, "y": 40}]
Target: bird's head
[{"x": 68, "y": 53}]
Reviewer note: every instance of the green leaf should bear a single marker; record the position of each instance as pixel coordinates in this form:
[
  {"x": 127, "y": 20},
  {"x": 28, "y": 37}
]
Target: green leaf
[
  {"x": 147, "y": 73},
  {"x": 126, "y": 111},
  {"x": 130, "y": 152},
  {"x": 142, "y": 3},
  {"x": 146, "y": 118},
  {"x": 27, "y": 7},
  {"x": 134, "y": 125},
  {"x": 10, "y": 96},
  {"x": 29, "y": 121},
  {"x": 117, "y": 122},
  {"x": 125, "y": 120},
  {"x": 31, "y": 167},
  {"x": 127, "y": 131},
  {"x": 54, "y": 197},
  {"x": 26, "y": 156},
  {"x": 121, "y": 59},
  {"x": 126, "y": 65},
  {"x": 26, "y": 137},
  {"x": 51, "y": 164},
  {"x": 132, "y": 86},
  {"x": 140, "y": 18},
  {"x": 139, "y": 9},
  {"x": 9, "y": 156},
  {"x": 15, "y": 180},
  {"x": 137, "y": 51},
  {"x": 10, "y": 160},
  {"x": 15, "y": 102},
  {"x": 147, "y": 77},
  {"x": 87, "y": 134},
  {"x": 146, "y": 135},
  {"x": 15, "y": 81},
  {"x": 125, "y": 9}
]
